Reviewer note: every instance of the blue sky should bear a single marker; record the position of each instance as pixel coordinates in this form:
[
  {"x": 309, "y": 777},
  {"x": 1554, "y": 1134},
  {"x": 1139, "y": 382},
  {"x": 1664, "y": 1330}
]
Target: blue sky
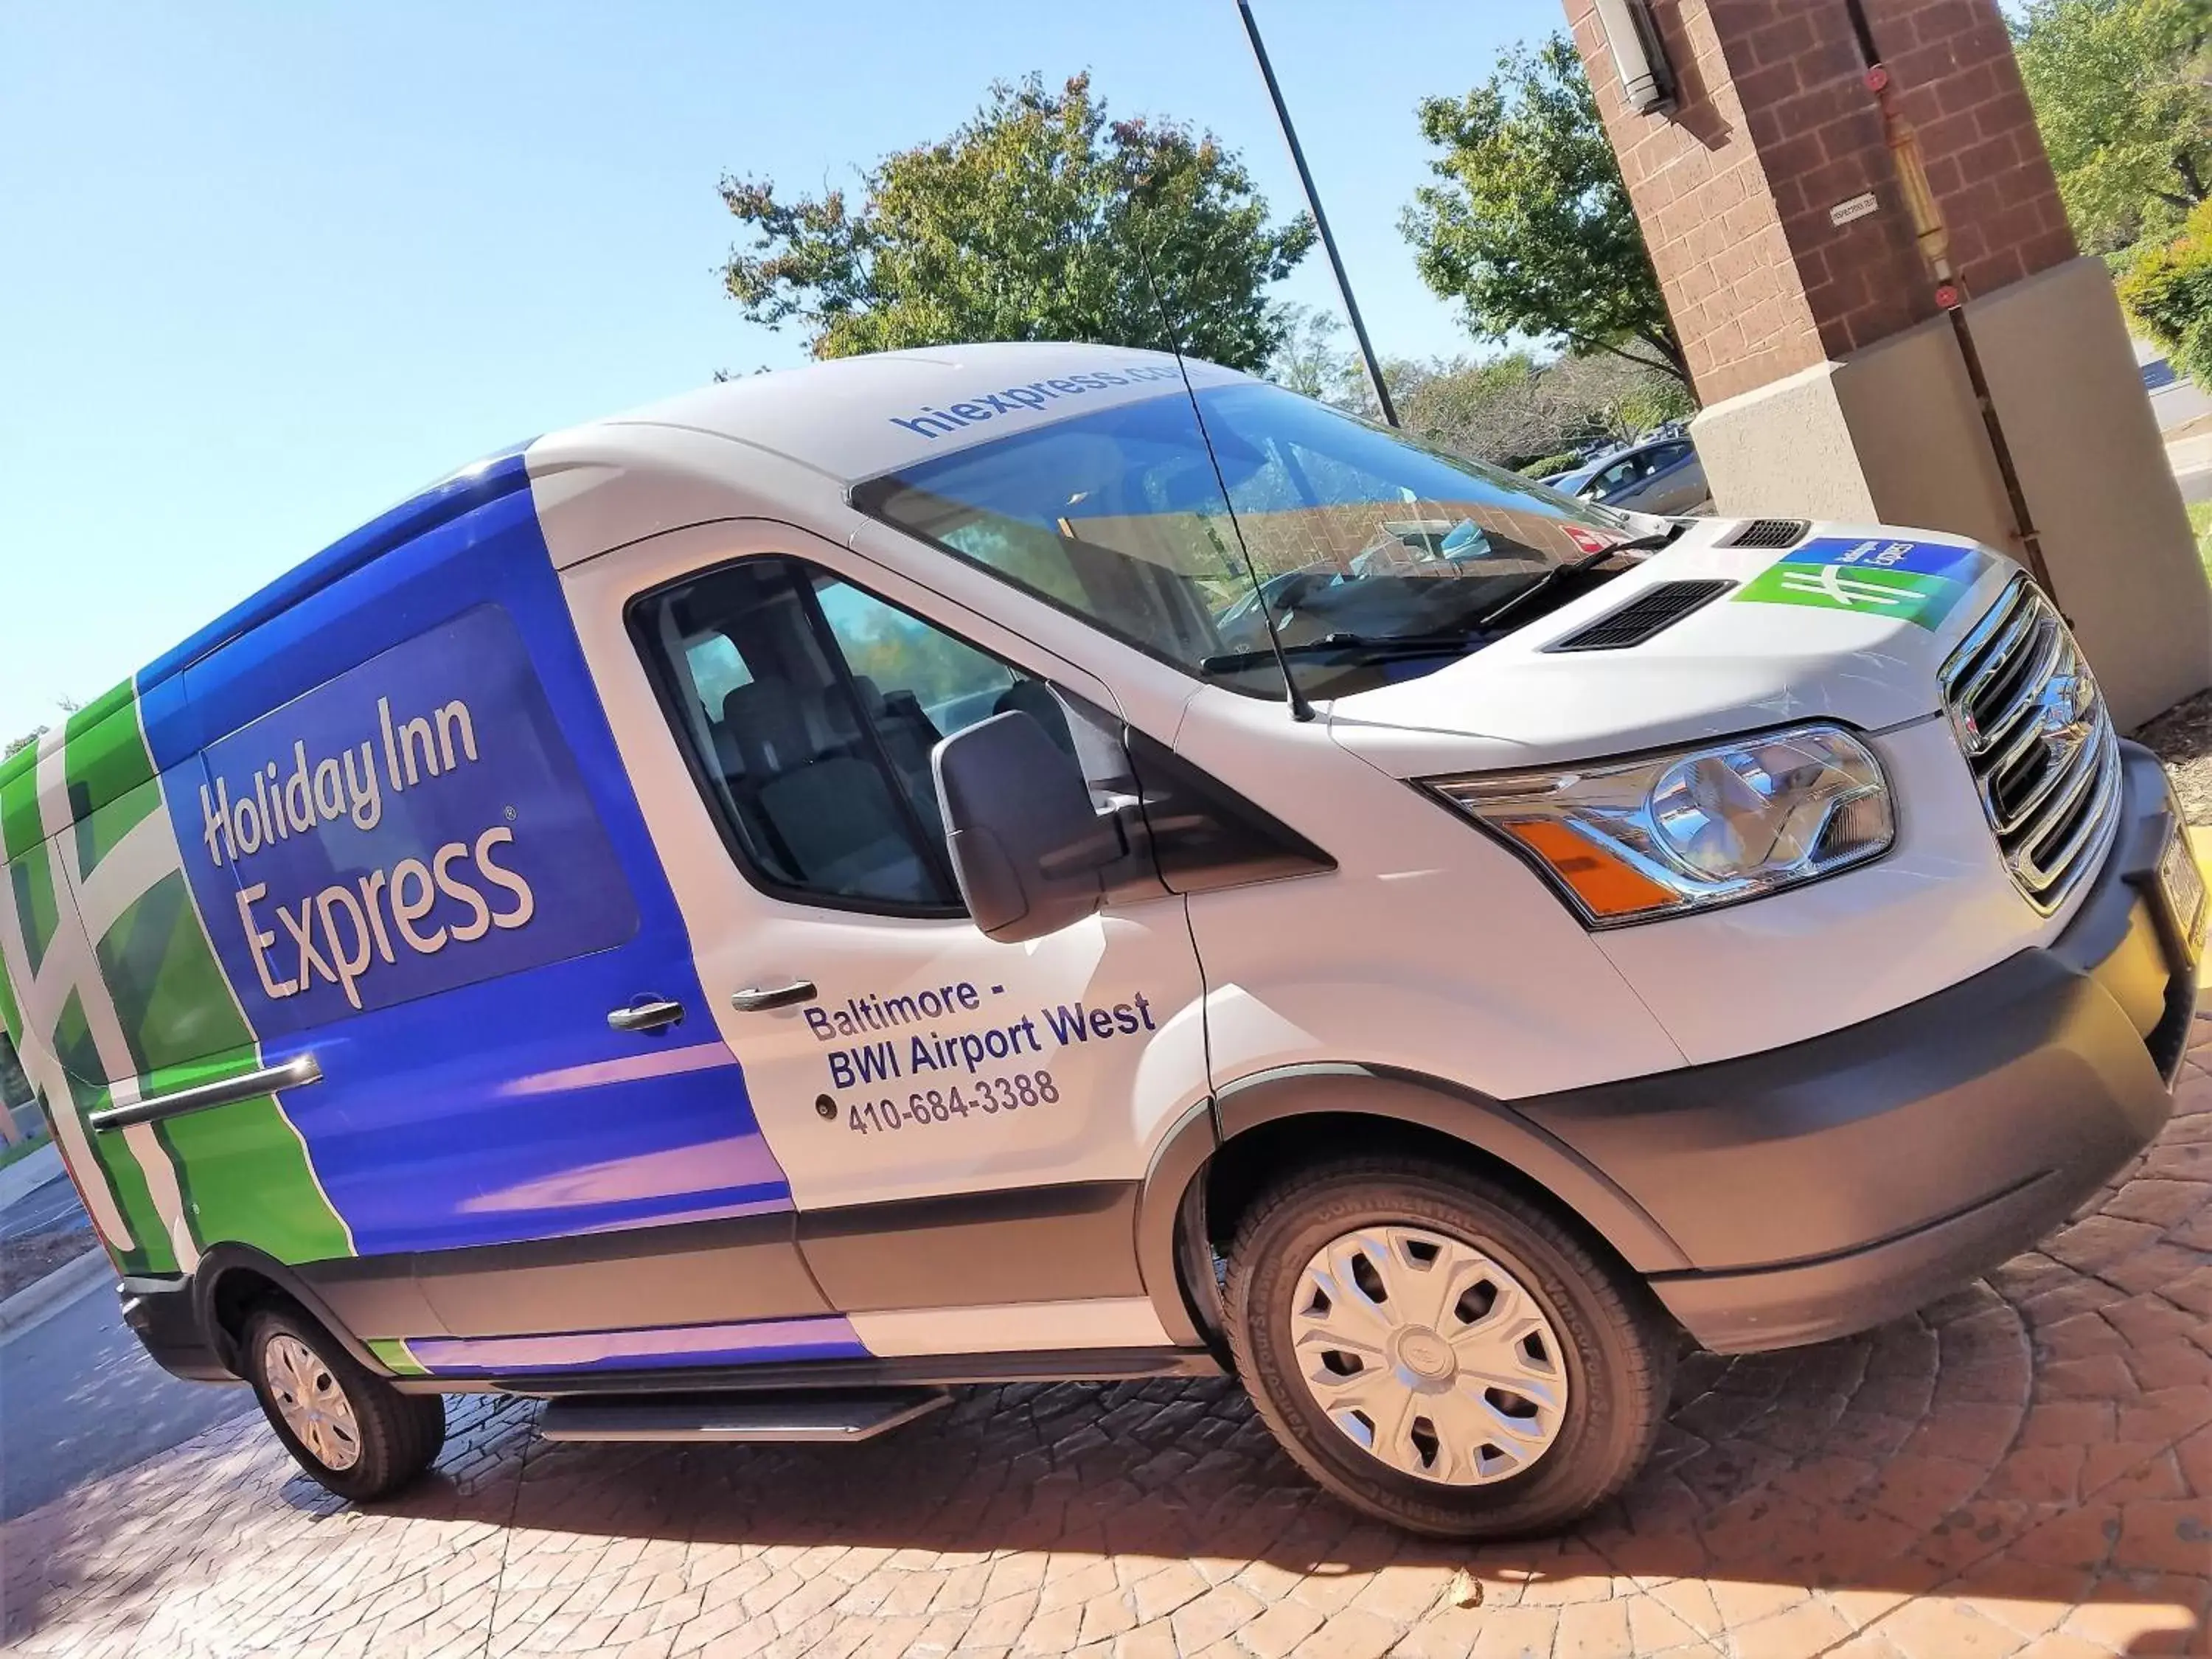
[{"x": 271, "y": 267}]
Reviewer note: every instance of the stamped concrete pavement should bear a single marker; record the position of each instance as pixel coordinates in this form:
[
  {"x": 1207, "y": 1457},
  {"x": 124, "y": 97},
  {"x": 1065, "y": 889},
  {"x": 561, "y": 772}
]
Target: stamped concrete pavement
[{"x": 2023, "y": 1468}]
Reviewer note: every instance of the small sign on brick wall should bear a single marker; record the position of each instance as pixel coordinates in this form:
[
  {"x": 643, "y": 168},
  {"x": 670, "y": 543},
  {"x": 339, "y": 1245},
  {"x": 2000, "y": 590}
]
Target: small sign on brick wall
[{"x": 1857, "y": 208}]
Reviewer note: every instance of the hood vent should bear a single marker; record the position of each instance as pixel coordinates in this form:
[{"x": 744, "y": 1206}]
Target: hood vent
[
  {"x": 1649, "y": 612},
  {"x": 1769, "y": 533}
]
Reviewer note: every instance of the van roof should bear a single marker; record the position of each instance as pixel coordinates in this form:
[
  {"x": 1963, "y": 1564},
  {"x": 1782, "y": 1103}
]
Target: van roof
[
  {"x": 849, "y": 418},
  {"x": 855, "y": 417}
]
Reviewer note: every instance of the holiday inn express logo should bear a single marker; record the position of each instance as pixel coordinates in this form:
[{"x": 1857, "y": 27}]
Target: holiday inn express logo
[{"x": 1918, "y": 582}]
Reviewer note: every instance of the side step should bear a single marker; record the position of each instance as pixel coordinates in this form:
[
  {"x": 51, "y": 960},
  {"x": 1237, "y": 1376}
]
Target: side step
[{"x": 821, "y": 1414}]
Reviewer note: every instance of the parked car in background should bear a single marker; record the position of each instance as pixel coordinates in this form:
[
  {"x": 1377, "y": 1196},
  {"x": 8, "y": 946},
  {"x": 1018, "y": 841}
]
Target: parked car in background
[{"x": 1662, "y": 475}]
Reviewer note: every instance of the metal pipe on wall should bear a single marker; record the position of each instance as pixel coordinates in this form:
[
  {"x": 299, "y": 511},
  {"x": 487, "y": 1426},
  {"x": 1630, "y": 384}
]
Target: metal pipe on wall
[{"x": 1933, "y": 238}]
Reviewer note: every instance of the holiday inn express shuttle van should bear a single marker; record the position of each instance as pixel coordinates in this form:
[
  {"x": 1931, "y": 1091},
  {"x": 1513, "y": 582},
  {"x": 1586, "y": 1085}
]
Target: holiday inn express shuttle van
[{"x": 1037, "y": 861}]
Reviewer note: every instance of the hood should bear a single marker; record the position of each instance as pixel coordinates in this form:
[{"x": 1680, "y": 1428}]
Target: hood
[{"x": 1852, "y": 623}]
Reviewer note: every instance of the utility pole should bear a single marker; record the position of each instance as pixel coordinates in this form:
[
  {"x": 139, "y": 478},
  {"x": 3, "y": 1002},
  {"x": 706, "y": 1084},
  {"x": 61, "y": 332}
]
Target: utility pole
[{"x": 1321, "y": 220}]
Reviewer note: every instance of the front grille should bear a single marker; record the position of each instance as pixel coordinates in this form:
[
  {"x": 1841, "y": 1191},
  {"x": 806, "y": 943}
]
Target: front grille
[
  {"x": 1769, "y": 533},
  {"x": 2039, "y": 741},
  {"x": 1649, "y": 612}
]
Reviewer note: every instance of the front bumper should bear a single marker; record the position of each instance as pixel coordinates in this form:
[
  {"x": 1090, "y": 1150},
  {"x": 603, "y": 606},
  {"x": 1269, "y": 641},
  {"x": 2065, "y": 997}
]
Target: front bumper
[{"x": 1833, "y": 1184}]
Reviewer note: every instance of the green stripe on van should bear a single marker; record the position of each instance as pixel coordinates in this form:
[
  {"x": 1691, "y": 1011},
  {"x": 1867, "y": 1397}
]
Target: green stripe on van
[
  {"x": 169, "y": 997},
  {"x": 19, "y": 830},
  {"x": 110, "y": 775},
  {"x": 243, "y": 1169},
  {"x": 396, "y": 1357},
  {"x": 245, "y": 1172},
  {"x": 38, "y": 901},
  {"x": 11, "y": 1012},
  {"x": 117, "y": 1164}
]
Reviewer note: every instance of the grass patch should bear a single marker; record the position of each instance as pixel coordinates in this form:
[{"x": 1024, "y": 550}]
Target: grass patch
[
  {"x": 22, "y": 1148},
  {"x": 2200, "y": 520}
]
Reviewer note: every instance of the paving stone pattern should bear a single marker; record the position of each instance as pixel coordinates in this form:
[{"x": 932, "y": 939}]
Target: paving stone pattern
[{"x": 2023, "y": 1468}]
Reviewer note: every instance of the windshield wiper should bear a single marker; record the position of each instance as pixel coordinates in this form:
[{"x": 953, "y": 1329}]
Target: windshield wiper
[
  {"x": 1657, "y": 541},
  {"x": 1651, "y": 543},
  {"x": 1404, "y": 645}
]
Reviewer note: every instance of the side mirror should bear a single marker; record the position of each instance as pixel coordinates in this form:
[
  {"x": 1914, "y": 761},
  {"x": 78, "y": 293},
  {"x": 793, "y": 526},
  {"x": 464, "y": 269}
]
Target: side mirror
[{"x": 1030, "y": 851}]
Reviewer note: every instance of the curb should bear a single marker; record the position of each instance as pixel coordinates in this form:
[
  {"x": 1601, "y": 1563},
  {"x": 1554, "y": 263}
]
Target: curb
[{"x": 43, "y": 1295}]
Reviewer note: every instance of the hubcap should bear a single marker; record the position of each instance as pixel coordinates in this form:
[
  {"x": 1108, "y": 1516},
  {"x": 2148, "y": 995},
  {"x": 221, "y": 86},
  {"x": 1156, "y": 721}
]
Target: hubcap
[
  {"x": 311, "y": 1402},
  {"x": 1428, "y": 1355}
]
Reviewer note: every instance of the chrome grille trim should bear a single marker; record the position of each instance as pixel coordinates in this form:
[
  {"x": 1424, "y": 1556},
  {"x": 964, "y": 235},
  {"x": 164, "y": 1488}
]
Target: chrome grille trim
[{"x": 2039, "y": 741}]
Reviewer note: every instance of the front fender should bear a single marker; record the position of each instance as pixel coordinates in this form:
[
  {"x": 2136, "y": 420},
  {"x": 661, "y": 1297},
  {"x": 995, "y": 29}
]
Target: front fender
[{"x": 1179, "y": 1166}]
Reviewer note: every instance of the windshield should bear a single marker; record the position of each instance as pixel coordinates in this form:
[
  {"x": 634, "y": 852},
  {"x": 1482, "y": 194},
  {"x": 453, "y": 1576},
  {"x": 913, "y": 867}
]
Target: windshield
[{"x": 1370, "y": 546}]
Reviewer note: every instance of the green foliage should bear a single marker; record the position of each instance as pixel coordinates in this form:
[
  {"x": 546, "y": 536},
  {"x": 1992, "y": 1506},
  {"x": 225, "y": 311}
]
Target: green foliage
[
  {"x": 1513, "y": 408},
  {"x": 17, "y": 745},
  {"x": 1307, "y": 360},
  {"x": 2123, "y": 93},
  {"x": 1531, "y": 229},
  {"x": 2169, "y": 291},
  {"x": 1032, "y": 221},
  {"x": 1551, "y": 465}
]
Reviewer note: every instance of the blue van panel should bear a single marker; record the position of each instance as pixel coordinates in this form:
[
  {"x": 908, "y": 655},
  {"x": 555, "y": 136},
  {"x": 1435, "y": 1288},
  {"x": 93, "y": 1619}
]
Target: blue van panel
[
  {"x": 502, "y": 474},
  {"x": 502, "y": 1109}
]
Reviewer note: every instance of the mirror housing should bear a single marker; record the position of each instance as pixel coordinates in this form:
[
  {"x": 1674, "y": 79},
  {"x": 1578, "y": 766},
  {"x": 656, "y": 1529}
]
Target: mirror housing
[{"x": 1030, "y": 851}]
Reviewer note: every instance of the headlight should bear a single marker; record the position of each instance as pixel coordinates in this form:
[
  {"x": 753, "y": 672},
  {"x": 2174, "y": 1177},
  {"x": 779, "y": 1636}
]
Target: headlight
[{"x": 1635, "y": 841}]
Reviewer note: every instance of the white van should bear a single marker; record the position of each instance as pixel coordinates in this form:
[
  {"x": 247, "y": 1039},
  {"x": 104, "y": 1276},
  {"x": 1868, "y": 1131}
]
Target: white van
[{"x": 736, "y": 917}]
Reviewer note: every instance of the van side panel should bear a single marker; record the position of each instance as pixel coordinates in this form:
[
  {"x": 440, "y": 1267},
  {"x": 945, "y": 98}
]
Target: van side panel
[
  {"x": 472, "y": 1093},
  {"x": 157, "y": 934},
  {"x": 118, "y": 995}
]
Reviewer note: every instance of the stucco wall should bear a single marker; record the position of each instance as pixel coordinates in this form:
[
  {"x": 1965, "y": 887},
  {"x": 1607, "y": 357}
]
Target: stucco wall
[{"x": 1893, "y": 434}]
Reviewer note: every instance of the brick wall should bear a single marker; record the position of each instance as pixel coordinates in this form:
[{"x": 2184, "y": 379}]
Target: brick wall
[
  {"x": 1700, "y": 189},
  {"x": 1776, "y": 127}
]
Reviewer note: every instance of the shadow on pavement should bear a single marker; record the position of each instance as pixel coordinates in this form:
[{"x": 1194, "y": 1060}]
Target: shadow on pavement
[{"x": 2033, "y": 1453}]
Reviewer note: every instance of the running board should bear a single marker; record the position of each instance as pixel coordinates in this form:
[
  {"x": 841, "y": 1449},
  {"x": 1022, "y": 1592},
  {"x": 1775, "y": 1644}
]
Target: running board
[{"x": 816, "y": 1414}]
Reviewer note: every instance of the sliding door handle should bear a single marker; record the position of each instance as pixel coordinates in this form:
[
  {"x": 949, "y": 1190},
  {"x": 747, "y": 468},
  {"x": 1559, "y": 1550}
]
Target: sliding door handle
[
  {"x": 754, "y": 1000},
  {"x": 654, "y": 1014},
  {"x": 295, "y": 1073}
]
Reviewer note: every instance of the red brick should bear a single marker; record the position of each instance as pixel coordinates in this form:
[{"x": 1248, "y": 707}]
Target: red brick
[{"x": 1778, "y": 129}]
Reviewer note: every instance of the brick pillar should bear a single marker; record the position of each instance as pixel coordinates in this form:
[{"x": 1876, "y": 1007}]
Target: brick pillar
[{"x": 1833, "y": 387}]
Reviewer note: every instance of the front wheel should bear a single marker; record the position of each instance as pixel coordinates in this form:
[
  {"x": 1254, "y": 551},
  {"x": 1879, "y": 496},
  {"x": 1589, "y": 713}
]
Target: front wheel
[
  {"x": 1441, "y": 1353},
  {"x": 348, "y": 1428}
]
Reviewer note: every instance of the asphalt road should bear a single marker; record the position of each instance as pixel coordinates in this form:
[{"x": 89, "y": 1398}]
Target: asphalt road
[
  {"x": 78, "y": 1397},
  {"x": 49, "y": 1205}
]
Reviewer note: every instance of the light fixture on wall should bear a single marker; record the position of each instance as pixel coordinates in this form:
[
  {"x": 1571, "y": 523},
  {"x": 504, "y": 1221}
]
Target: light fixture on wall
[{"x": 1647, "y": 79}]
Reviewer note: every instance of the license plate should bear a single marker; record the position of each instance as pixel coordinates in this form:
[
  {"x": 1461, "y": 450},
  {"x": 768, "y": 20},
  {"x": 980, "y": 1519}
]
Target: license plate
[{"x": 2183, "y": 882}]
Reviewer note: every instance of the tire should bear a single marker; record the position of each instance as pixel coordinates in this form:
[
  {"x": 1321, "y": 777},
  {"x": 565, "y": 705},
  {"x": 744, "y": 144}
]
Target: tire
[
  {"x": 359, "y": 1437},
  {"x": 1596, "y": 1365}
]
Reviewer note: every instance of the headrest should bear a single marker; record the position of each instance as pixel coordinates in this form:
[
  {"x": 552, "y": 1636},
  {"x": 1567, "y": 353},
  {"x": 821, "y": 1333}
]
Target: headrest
[{"x": 770, "y": 728}]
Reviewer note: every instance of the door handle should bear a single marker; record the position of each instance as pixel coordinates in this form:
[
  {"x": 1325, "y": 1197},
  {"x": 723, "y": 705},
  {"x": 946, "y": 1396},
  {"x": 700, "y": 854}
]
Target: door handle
[
  {"x": 296, "y": 1073},
  {"x": 654, "y": 1014},
  {"x": 753, "y": 1000}
]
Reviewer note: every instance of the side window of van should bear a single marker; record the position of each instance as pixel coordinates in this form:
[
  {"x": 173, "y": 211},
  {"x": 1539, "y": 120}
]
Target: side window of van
[{"x": 810, "y": 710}]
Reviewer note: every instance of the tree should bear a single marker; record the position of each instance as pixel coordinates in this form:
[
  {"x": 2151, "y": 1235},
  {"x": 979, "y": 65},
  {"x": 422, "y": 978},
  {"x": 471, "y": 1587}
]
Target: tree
[
  {"x": 1531, "y": 229},
  {"x": 2168, "y": 290},
  {"x": 1035, "y": 221},
  {"x": 1307, "y": 360},
  {"x": 1513, "y": 409},
  {"x": 2122, "y": 94}
]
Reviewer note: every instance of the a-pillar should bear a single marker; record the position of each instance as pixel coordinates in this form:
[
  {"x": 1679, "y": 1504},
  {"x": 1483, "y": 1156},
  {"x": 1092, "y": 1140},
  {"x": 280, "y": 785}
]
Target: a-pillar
[{"x": 1833, "y": 385}]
